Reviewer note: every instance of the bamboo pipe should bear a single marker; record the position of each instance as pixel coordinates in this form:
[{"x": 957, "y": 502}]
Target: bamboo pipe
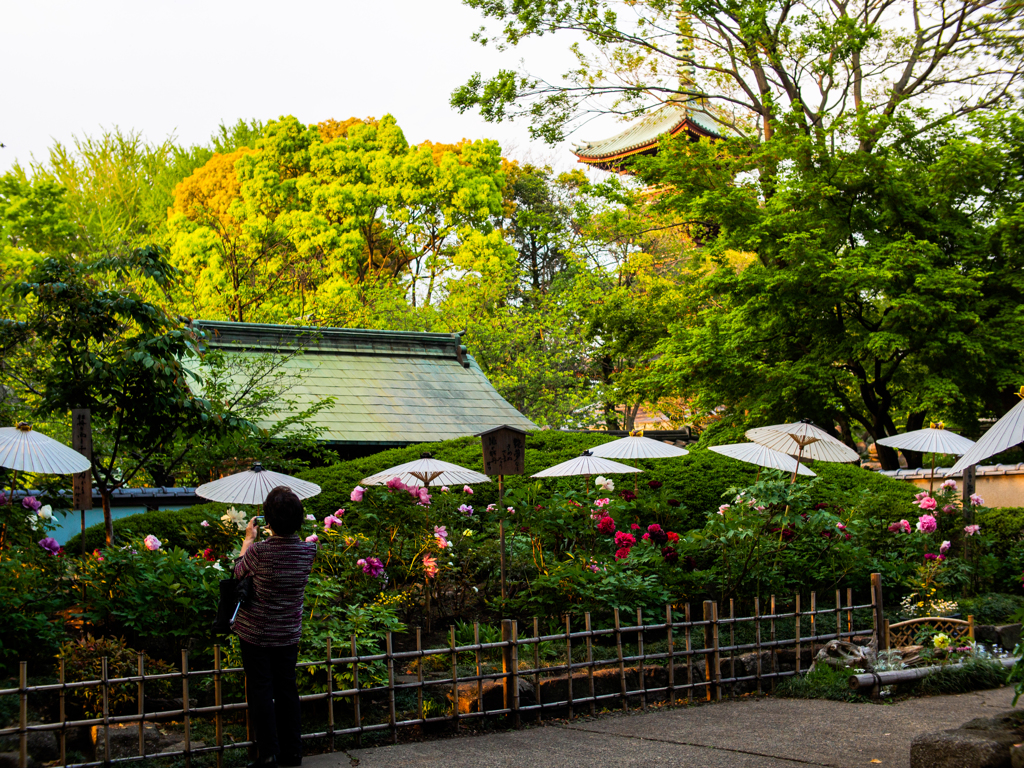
[{"x": 871, "y": 679}]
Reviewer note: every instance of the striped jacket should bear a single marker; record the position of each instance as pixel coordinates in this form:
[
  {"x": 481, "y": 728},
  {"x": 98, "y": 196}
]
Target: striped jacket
[{"x": 280, "y": 568}]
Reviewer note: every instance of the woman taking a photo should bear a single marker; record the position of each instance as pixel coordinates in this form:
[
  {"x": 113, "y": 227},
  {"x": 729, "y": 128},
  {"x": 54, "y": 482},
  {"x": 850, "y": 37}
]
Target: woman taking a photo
[{"x": 270, "y": 627}]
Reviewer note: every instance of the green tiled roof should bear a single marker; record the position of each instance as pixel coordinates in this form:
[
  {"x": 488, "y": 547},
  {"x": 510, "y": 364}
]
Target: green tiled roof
[{"x": 388, "y": 387}]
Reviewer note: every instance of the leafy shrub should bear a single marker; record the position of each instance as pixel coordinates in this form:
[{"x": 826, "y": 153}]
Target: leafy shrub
[
  {"x": 83, "y": 660},
  {"x": 991, "y": 608},
  {"x": 166, "y": 524},
  {"x": 976, "y": 674},
  {"x": 34, "y": 591}
]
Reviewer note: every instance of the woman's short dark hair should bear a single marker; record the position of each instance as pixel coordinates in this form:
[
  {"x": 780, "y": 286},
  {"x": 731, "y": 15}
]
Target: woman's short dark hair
[{"x": 283, "y": 510}]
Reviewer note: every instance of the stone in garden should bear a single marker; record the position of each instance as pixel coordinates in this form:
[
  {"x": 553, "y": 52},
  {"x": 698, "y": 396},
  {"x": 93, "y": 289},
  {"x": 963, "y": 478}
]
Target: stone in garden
[
  {"x": 1017, "y": 756},
  {"x": 986, "y": 633},
  {"x": 10, "y": 760},
  {"x": 1009, "y": 636},
  {"x": 42, "y": 745},
  {"x": 984, "y": 742},
  {"x": 493, "y": 695}
]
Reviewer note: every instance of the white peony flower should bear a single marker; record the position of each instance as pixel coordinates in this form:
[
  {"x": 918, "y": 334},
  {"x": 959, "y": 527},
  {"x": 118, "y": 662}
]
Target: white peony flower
[
  {"x": 604, "y": 483},
  {"x": 236, "y": 516},
  {"x": 46, "y": 513}
]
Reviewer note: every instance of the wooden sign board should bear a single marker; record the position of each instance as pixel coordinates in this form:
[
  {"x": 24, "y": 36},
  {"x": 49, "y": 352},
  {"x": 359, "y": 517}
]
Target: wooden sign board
[
  {"x": 504, "y": 451},
  {"x": 81, "y": 441}
]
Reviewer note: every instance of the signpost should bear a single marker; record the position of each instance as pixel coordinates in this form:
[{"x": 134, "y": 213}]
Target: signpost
[
  {"x": 81, "y": 483},
  {"x": 504, "y": 450}
]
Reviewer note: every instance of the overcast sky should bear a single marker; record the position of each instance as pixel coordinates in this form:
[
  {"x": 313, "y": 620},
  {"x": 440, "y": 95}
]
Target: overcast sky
[{"x": 74, "y": 68}]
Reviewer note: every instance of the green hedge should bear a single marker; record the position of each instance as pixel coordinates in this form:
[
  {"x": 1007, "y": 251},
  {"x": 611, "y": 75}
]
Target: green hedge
[{"x": 165, "y": 524}]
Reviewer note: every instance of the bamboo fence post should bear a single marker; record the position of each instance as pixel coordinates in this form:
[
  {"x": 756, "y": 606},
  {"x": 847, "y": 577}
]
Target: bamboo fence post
[
  {"x": 671, "y": 656},
  {"x": 797, "y": 630},
  {"x": 356, "y": 708},
  {"x": 709, "y": 675},
  {"x": 251, "y": 749},
  {"x": 510, "y": 667},
  {"x": 479, "y": 683},
  {"x": 640, "y": 658},
  {"x": 536, "y": 665},
  {"x": 732, "y": 638},
  {"x": 568, "y": 662},
  {"x": 849, "y": 610},
  {"x": 455, "y": 678},
  {"x": 104, "y": 676},
  {"x": 23, "y": 711},
  {"x": 419, "y": 672},
  {"x": 689, "y": 656},
  {"x": 140, "y": 694},
  {"x": 185, "y": 716},
  {"x": 63, "y": 715},
  {"x": 390, "y": 659},
  {"x": 839, "y": 614},
  {"x": 814, "y": 622},
  {"x": 757, "y": 641},
  {"x": 622, "y": 666},
  {"x": 711, "y": 614},
  {"x": 876, "y": 604},
  {"x": 775, "y": 649},
  {"x": 218, "y": 700},
  {"x": 330, "y": 696},
  {"x": 590, "y": 662}
]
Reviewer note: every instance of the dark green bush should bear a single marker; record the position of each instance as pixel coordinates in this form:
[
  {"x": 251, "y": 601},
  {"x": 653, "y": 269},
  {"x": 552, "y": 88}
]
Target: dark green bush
[
  {"x": 822, "y": 682},
  {"x": 33, "y": 594},
  {"x": 166, "y": 524},
  {"x": 991, "y": 608},
  {"x": 83, "y": 660},
  {"x": 974, "y": 675}
]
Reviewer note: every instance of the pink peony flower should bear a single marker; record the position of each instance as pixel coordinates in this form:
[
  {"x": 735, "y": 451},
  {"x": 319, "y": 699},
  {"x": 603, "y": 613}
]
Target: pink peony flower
[
  {"x": 329, "y": 521},
  {"x": 634, "y": 527},
  {"x": 312, "y": 539},
  {"x": 602, "y": 502},
  {"x": 949, "y": 484},
  {"x": 441, "y": 530},
  {"x": 396, "y": 484},
  {"x": 430, "y": 566},
  {"x": 510, "y": 510},
  {"x": 840, "y": 526},
  {"x": 372, "y": 566},
  {"x": 339, "y": 513},
  {"x": 944, "y": 547},
  {"x": 928, "y": 503},
  {"x": 32, "y": 503},
  {"x": 357, "y": 493},
  {"x": 623, "y": 539},
  {"x": 949, "y": 509},
  {"x": 444, "y": 489},
  {"x": 926, "y": 524},
  {"x": 205, "y": 523},
  {"x": 976, "y": 500},
  {"x": 920, "y": 495},
  {"x": 722, "y": 509},
  {"x": 492, "y": 507},
  {"x": 606, "y": 525},
  {"x": 622, "y": 554},
  {"x": 970, "y": 530},
  {"x": 646, "y": 537},
  {"x": 152, "y": 543},
  {"x": 467, "y": 489},
  {"x": 465, "y": 509},
  {"x": 930, "y": 556}
]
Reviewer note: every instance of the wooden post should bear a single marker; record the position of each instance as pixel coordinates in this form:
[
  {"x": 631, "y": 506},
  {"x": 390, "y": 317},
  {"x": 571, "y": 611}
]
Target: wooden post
[
  {"x": 797, "y": 636},
  {"x": 711, "y": 670},
  {"x": 839, "y": 613},
  {"x": 23, "y": 712},
  {"x": 419, "y": 672},
  {"x": 510, "y": 667},
  {"x": 390, "y": 659},
  {"x": 732, "y": 638},
  {"x": 775, "y": 649},
  {"x": 622, "y": 666},
  {"x": 640, "y": 661},
  {"x": 970, "y": 626},
  {"x": 757, "y": 641},
  {"x": 501, "y": 536},
  {"x": 455, "y": 680},
  {"x": 479, "y": 682},
  {"x": 671, "y": 656},
  {"x": 218, "y": 700},
  {"x": 330, "y": 696},
  {"x": 590, "y": 664},
  {"x": 568, "y": 662},
  {"x": 186, "y": 719},
  {"x": 881, "y": 637},
  {"x": 104, "y": 676},
  {"x": 849, "y": 610},
  {"x": 814, "y": 623},
  {"x": 536, "y": 666},
  {"x": 356, "y": 708},
  {"x": 63, "y": 716},
  {"x": 689, "y": 656},
  {"x": 140, "y": 694}
]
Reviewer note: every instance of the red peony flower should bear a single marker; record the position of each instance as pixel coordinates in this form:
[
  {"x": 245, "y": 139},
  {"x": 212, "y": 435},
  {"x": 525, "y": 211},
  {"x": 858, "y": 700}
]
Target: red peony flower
[
  {"x": 606, "y": 525},
  {"x": 673, "y": 537},
  {"x": 654, "y": 485},
  {"x": 628, "y": 496},
  {"x": 634, "y": 527},
  {"x": 623, "y": 539},
  {"x": 670, "y": 555},
  {"x": 622, "y": 554},
  {"x": 673, "y": 502}
]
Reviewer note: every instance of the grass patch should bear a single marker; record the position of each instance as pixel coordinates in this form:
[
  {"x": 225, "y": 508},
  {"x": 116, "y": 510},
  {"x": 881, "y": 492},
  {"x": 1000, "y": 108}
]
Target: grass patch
[
  {"x": 974, "y": 675},
  {"x": 823, "y": 682}
]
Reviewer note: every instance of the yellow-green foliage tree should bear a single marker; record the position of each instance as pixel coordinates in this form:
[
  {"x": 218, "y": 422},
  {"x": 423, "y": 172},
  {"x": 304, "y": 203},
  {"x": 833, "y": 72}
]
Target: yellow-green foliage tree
[{"x": 337, "y": 223}]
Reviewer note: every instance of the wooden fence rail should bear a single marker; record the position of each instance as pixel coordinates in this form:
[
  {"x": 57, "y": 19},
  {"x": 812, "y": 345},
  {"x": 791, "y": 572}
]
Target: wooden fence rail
[{"x": 635, "y": 662}]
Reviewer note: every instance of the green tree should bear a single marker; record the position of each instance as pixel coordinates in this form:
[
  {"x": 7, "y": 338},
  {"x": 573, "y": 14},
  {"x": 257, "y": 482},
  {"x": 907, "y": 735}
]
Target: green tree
[{"x": 95, "y": 344}]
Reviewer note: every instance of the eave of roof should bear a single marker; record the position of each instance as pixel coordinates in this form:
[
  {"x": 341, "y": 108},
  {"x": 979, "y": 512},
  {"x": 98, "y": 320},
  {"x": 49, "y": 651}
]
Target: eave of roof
[
  {"x": 388, "y": 387},
  {"x": 668, "y": 120},
  {"x": 980, "y": 471}
]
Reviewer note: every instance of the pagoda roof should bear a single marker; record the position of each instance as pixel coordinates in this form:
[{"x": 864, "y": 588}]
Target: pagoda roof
[
  {"x": 389, "y": 387},
  {"x": 643, "y": 136}
]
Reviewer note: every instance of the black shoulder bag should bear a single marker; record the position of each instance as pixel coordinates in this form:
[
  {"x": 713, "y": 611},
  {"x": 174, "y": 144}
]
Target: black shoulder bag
[{"x": 234, "y": 593}]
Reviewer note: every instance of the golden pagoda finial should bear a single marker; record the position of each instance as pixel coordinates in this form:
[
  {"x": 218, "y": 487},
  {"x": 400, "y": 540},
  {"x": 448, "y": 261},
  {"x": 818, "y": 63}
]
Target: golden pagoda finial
[
  {"x": 636, "y": 433},
  {"x": 936, "y": 425},
  {"x": 1020, "y": 393},
  {"x": 686, "y": 70},
  {"x": 23, "y": 426}
]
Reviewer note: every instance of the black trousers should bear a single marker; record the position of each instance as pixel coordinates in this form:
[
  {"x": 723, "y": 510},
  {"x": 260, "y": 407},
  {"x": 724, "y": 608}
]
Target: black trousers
[{"x": 273, "y": 700}]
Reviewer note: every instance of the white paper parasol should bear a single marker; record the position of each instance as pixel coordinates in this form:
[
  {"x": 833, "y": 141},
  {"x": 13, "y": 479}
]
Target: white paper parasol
[
  {"x": 1004, "y": 434},
  {"x": 753, "y": 453},
  {"x": 253, "y": 485},
  {"x": 803, "y": 440},
  {"x": 586, "y": 464},
  {"x": 25, "y": 450},
  {"x": 637, "y": 447},
  {"x": 934, "y": 439},
  {"x": 426, "y": 471}
]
